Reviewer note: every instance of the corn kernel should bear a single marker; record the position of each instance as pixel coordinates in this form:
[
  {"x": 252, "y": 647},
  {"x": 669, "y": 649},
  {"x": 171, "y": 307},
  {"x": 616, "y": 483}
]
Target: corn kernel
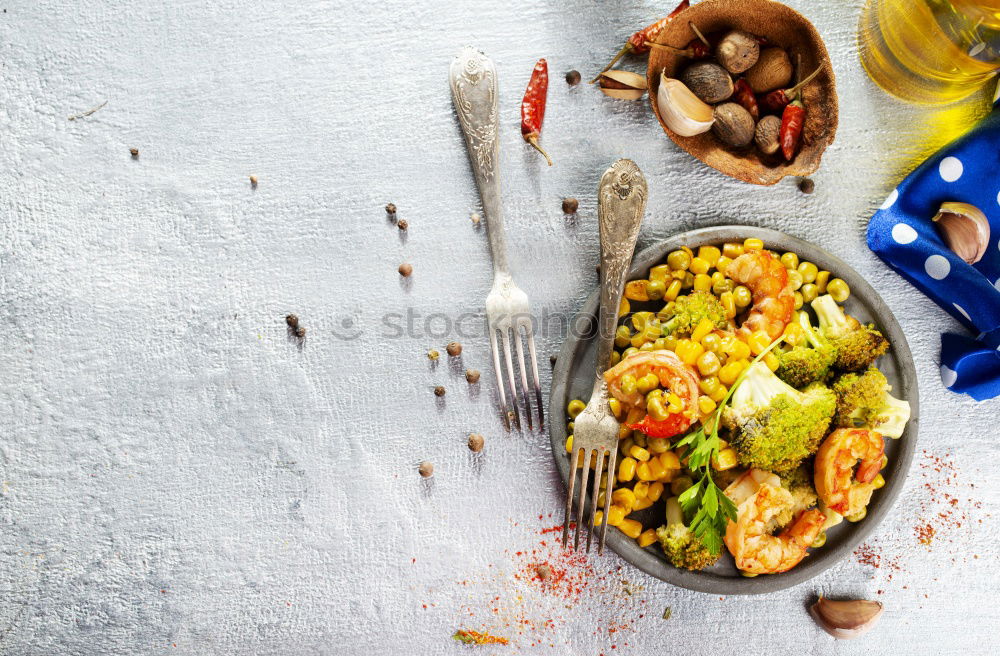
[
  {"x": 624, "y": 498},
  {"x": 798, "y": 300},
  {"x": 623, "y": 307},
  {"x": 719, "y": 394},
  {"x": 647, "y": 538},
  {"x": 616, "y": 514},
  {"x": 631, "y": 528},
  {"x": 656, "y": 469},
  {"x": 626, "y": 470},
  {"x": 641, "y": 503},
  {"x": 709, "y": 384},
  {"x": 640, "y": 489},
  {"x": 660, "y": 272},
  {"x": 771, "y": 360},
  {"x": 795, "y": 279},
  {"x": 635, "y": 290},
  {"x": 614, "y": 359},
  {"x": 731, "y": 371},
  {"x": 639, "y": 453},
  {"x": 675, "y": 404},
  {"x": 569, "y": 444},
  {"x": 616, "y": 407},
  {"x": 699, "y": 265},
  {"x": 706, "y": 404},
  {"x": 670, "y": 460},
  {"x": 732, "y": 250},
  {"x": 728, "y": 304},
  {"x": 710, "y": 254},
  {"x": 647, "y": 383},
  {"x": 624, "y": 431},
  {"x": 689, "y": 351},
  {"x": 723, "y": 263},
  {"x": 753, "y": 244},
  {"x": 625, "y": 445},
  {"x": 604, "y": 481},
  {"x": 655, "y": 491},
  {"x": 794, "y": 334},
  {"x": 822, "y": 278},
  {"x": 879, "y": 481},
  {"x": 726, "y": 459},
  {"x": 673, "y": 291},
  {"x": 704, "y": 327},
  {"x": 642, "y": 471},
  {"x": 790, "y": 260},
  {"x": 581, "y": 460},
  {"x": 702, "y": 282},
  {"x": 598, "y": 517},
  {"x": 759, "y": 341}
]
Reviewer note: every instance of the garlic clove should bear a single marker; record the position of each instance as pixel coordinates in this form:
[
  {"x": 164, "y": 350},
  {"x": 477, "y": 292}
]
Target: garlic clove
[
  {"x": 848, "y": 618},
  {"x": 964, "y": 229},
  {"x": 624, "y": 85},
  {"x": 682, "y": 111}
]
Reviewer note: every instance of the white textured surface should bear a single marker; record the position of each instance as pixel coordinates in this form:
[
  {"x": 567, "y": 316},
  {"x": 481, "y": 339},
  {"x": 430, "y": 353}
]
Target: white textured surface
[{"x": 179, "y": 477}]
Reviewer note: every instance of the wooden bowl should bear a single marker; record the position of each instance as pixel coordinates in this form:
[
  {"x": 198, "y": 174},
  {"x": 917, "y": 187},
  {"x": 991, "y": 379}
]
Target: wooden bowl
[{"x": 782, "y": 26}]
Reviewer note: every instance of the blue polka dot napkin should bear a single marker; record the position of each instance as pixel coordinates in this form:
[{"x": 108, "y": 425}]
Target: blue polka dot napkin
[{"x": 902, "y": 233}]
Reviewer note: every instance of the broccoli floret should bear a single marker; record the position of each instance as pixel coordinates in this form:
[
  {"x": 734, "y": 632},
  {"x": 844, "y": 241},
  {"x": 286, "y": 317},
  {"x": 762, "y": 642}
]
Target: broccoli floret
[
  {"x": 687, "y": 312},
  {"x": 683, "y": 548},
  {"x": 864, "y": 401},
  {"x": 775, "y": 426},
  {"x": 806, "y": 363},
  {"x": 858, "y": 346}
]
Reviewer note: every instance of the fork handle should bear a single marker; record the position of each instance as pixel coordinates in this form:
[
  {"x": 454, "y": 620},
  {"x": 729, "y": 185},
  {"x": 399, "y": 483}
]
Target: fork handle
[
  {"x": 621, "y": 202},
  {"x": 473, "y": 79}
]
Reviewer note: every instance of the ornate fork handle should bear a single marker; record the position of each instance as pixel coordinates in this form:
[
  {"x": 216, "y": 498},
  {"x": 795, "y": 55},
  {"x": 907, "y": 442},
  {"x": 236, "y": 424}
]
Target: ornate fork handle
[
  {"x": 621, "y": 202},
  {"x": 473, "y": 78}
]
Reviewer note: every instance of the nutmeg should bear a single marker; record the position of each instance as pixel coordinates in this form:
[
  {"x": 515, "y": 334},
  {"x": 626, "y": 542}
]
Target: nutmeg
[
  {"x": 737, "y": 51},
  {"x": 773, "y": 70},
  {"x": 709, "y": 81},
  {"x": 733, "y": 125},
  {"x": 766, "y": 134}
]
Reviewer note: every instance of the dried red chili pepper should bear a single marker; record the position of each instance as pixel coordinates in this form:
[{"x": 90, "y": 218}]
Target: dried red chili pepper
[
  {"x": 745, "y": 97},
  {"x": 533, "y": 106},
  {"x": 776, "y": 101},
  {"x": 792, "y": 120},
  {"x": 638, "y": 42}
]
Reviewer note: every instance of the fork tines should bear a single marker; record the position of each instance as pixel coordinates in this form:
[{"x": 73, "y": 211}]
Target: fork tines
[
  {"x": 512, "y": 411},
  {"x": 602, "y": 455}
]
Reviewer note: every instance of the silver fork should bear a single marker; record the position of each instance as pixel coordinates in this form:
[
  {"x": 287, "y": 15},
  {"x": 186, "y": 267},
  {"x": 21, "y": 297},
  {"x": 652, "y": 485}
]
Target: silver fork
[
  {"x": 621, "y": 201},
  {"x": 473, "y": 79}
]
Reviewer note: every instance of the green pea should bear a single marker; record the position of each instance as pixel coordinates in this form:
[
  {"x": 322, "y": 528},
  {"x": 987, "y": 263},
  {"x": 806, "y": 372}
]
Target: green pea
[
  {"x": 655, "y": 289},
  {"x": 660, "y": 344},
  {"x": 798, "y": 300},
  {"x": 688, "y": 281},
  {"x": 647, "y": 383},
  {"x": 819, "y": 541},
  {"x": 748, "y": 575},
  {"x": 838, "y": 289},
  {"x": 670, "y": 342},
  {"x": 679, "y": 484},
  {"x": 654, "y": 394},
  {"x": 629, "y": 351},
  {"x": 678, "y": 260},
  {"x": 858, "y": 516},
  {"x": 646, "y": 347},
  {"x": 569, "y": 427},
  {"x": 712, "y": 342},
  {"x": 742, "y": 296},
  {"x": 575, "y": 407},
  {"x": 627, "y": 383},
  {"x": 622, "y": 336},
  {"x": 723, "y": 286},
  {"x": 809, "y": 292}
]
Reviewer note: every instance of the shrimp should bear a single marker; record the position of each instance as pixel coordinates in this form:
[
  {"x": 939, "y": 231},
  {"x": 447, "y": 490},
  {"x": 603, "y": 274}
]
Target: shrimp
[
  {"x": 673, "y": 375},
  {"x": 773, "y": 297},
  {"x": 835, "y": 460},
  {"x": 759, "y": 497}
]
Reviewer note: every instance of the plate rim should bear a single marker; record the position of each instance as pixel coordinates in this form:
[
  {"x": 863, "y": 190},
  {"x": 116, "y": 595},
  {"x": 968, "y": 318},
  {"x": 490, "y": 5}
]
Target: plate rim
[{"x": 899, "y": 468}]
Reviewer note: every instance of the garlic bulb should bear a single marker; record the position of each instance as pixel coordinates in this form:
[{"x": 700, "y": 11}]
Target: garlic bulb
[
  {"x": 623, "y": 85},
  {"x": 965, "y": 229},
  {"x": 846, "y": 619},
  {"x": 682, "y": 111}
]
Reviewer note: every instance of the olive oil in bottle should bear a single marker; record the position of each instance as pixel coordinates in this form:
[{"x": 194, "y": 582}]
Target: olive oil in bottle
[{"x": 930, "y": 51}]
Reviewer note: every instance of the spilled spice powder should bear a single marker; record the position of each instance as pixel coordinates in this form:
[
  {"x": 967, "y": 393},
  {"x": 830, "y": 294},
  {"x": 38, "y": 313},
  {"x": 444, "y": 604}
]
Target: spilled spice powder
[{"x": 478, "y": 638}]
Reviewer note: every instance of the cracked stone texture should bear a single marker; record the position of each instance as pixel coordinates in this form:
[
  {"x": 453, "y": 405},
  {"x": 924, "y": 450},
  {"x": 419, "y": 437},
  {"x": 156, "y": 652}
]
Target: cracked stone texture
[{"x": 181, "y": 476}]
